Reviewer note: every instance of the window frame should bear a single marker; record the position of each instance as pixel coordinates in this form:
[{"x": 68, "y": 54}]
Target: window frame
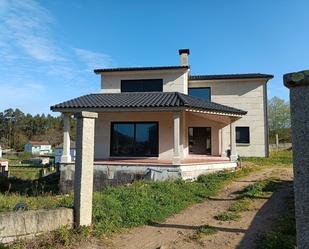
[
  {"x": 242, "y": 143},
  {"x": 134, "y": 123},
  {"x": 142, "y": 82},
  {"x": 206, "y": 87}
]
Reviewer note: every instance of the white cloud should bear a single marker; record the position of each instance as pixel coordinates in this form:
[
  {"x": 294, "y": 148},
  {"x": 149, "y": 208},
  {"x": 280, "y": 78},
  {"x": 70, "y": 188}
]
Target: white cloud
[
  {"x": 93, "y": 59},
  {"x": 25, "y": 25},
  {"x": 33, "y": 59}
]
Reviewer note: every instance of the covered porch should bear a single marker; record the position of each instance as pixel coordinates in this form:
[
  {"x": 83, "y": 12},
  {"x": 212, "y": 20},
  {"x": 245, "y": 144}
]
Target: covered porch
[
  {"x": 161, "y": 137},
  {"x": 162, "y": 134}
]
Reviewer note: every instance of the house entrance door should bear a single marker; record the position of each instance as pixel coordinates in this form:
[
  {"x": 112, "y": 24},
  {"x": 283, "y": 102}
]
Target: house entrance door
[{"x": 200, "y": 140}]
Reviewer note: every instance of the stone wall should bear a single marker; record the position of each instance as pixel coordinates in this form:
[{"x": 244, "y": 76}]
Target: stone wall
[
  {"x": 23, "y": 224},
  {"x": 114, "y": 175},
  {"x": 281, "y": 146}
]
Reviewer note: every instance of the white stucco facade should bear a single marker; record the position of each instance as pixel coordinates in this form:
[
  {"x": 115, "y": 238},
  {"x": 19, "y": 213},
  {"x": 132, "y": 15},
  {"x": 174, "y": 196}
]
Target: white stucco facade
[
  {"x": 173, "y": 80},
  {"x": 249, "y": 95},
  {"x": 246, "y": 94}
]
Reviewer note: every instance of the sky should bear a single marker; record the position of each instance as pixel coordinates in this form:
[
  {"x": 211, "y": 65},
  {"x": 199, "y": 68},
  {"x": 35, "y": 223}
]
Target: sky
[{"x": 49, "y": 48}]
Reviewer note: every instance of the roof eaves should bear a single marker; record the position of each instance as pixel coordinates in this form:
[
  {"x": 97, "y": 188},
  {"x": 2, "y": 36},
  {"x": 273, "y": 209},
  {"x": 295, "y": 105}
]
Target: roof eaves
[
  {"x": 231, "y": 76},
  {"x": 127, "y": 69}
]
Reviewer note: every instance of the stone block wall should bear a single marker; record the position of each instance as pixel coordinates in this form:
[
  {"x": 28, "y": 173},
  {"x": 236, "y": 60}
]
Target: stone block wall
[{"x": 23, "y": 224}]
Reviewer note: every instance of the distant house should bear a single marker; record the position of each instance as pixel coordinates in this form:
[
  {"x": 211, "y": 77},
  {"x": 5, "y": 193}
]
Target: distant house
[
  {"x": 59, "y": 152},
  {"x": 38, "y": 147}
]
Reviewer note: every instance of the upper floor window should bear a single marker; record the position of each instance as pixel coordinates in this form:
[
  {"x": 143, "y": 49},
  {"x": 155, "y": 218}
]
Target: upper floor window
[
  {"x": 242, "y": 135},
  {"x": 200, "y": 92},
  {"x": 144, "y": 85}
]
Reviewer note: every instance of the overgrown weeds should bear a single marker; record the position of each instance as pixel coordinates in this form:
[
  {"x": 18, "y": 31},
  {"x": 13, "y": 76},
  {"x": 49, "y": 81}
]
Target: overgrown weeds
[
  {"x": 256, "y": 190},
  {"x": 63, "y": 237},
  {"x": 228, "y": 216},
  {"x": 284, "y": 234},
  {"x": 203, "y": 231}
]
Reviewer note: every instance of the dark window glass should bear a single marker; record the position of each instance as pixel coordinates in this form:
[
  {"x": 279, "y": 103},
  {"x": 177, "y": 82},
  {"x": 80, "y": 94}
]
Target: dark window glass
[
  {"x": 145, "y": 85},
  {"x": 134, "y": 139},
  {"x": 123, "y": 139},
  {"x": 200, "y": 92},
  {"x": 242, "y": 135}
]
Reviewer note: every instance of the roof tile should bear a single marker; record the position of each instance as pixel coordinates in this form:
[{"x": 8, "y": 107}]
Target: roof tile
[{"x": 142, "y": 100}]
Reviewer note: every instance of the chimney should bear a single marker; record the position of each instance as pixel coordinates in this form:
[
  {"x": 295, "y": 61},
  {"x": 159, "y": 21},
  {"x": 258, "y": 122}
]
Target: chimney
[{"x": 184, "y": 56}]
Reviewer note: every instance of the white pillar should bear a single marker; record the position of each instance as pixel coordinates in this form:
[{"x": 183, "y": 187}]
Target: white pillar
[
  {"x": 83, "y": 180},
  {"x": 233, "y": 142},
  {"x": 66, "y": 155},
  {"x": 176, "y": 132}
]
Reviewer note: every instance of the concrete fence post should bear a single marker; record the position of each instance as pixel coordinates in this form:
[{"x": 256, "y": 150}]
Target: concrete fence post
[
  {"x": 83, "y": 180},
  {"x": 298, "y": 83},
  {"x": 277, "y": 142}
]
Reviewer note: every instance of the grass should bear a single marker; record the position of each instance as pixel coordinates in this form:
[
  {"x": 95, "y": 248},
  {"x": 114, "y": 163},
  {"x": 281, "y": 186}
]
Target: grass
[
  {"x": 276, "y": 158},
  {"x": 256, "y": 190},
  {"x": 261, "y": 188},
  {"x": 228, "y": 216},
  {"x": 284, "y": 234},
  {"x": 26, "y": 172},
  {"x": 140, "y": 203},
  {"x": 203, "y": 231},
  {"x": 241, "y": 205},
  {"x": 7, "y": 203}
]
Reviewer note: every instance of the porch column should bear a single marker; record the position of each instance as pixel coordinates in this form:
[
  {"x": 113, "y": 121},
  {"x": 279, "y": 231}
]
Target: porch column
[
  {"x": 83, "y": 180},
  {"x": 176, "y": 132},
  {"x": 233, "y": 142},
  {"x": 66, "y": 155}
]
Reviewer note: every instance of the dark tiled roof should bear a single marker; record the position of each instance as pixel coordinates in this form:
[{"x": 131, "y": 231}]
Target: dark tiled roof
[
  {"x": 231, "y": 76},
  {"x": 144, "y": 100},
  {"x": 103, "y": 70}
]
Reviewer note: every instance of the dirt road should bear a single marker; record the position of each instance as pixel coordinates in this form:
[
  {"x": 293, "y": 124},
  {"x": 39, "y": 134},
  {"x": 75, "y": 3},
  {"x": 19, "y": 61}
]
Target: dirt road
[{"x": 175, "y": 232}]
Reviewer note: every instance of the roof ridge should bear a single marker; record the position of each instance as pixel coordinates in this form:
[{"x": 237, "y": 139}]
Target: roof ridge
[{"x": 181, "y": 97}]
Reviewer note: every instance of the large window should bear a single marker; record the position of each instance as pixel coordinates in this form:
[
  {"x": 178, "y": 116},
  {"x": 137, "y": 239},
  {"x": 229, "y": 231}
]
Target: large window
[
  {"x": 134, "y": 139},
  {"x": 242, "y": 135},
  {"x": 200, "y": 92},
  {"x": 144, "y": 85}
]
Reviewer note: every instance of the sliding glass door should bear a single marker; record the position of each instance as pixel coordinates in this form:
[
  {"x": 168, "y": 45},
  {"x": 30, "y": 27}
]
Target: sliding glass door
[{"x": 134, "y": 139}]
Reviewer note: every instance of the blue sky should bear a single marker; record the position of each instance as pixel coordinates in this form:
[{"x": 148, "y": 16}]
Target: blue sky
[{"x": 49, "y": 48}]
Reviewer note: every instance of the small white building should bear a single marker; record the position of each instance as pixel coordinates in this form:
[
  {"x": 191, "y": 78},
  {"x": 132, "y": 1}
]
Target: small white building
[
  {"x": 4, "y": 167},
  {"x": 59, "y": 152},
  {"x": 0, "y": 152},
  {"x": 38, "y": 147}
]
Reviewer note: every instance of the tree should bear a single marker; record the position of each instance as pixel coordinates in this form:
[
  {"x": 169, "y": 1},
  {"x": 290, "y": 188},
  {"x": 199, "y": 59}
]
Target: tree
[
  {"x": 278, "y": 114},
  {"x": 17, "y": 128}
]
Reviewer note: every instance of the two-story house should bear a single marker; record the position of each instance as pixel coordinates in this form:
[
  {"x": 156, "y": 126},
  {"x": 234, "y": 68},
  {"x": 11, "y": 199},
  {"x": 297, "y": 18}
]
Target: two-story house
[
  {"x": 38, "y": 147},
  {"x": 167, "y": 120}
]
